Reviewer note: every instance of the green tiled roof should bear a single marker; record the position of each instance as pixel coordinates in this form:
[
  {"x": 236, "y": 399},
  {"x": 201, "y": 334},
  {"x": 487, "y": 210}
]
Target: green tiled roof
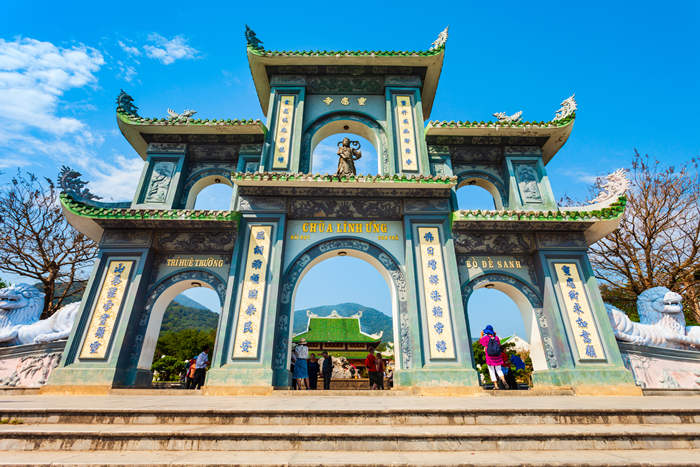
[
  {"x": 334, "y": 330},
  {"x": 137, "y": 120},
  {"x": 614, "y": 211},
  {"x": 93, "y": 212},
  {"x": 345, "y": 53},
  {"x": 482, "y": 124}
]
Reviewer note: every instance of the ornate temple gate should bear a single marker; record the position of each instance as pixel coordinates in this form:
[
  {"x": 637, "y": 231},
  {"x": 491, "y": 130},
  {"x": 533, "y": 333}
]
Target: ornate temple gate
[{"x": 284, "y": 219}]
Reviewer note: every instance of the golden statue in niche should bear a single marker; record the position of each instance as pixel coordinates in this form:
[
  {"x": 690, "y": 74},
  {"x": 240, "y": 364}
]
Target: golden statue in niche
[{"x": 348, "y": 156}]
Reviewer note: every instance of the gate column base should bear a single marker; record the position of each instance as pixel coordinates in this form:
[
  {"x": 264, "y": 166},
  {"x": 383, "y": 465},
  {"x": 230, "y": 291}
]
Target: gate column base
[
  {"x": 605, "y": 376},
  {"x": 238, "y": 377},
  {"x": 437, "y": 378}
]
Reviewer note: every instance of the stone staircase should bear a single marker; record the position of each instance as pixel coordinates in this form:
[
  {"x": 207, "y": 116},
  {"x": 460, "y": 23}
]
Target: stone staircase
[{"x": 347, "y": 437}]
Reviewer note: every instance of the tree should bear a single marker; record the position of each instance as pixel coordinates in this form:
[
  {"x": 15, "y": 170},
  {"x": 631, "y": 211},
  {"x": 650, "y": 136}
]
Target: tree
[
  {"x": 658, "y": 240},
  {"x": 37, "y": 242},
  {"x": 3, "y": 284},
  {"x": 183, "y": 345}
]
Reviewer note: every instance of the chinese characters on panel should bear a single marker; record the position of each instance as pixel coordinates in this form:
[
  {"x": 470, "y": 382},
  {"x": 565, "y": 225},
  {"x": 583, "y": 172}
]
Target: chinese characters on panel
[
  {"x": 435, "y": 292},
  {"x": 253, "y": 298},
  {"x": 284, "y": 133},
  {"x": 579, "y": 312},
  {"x": 105, "y": 313}
]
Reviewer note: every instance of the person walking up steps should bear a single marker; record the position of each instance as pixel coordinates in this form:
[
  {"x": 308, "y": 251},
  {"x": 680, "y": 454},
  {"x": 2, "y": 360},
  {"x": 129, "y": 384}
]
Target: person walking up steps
[{"x": 492, "y": 346}]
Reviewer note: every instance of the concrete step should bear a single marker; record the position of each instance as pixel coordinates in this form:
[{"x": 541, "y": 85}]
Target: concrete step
[
  {"x": 345, "y": 415},
  {"x": 347, "y": 438},
  {"x": 640, "y": 458}
]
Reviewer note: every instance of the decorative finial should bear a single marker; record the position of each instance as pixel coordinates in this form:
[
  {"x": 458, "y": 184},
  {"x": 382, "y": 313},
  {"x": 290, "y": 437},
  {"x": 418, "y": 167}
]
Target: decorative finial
[
  {"x": 441, "y": 40},
  {"x": 70, "y": 182},
  {"x": 503, "y": 118},
  {"x": 126, "y": 103},
  {"x": 616, "y": 186},
  {"x": 568, "y": 107},
  {"x": 185, "y": 116},
  {"x": 252, "y": 39}
]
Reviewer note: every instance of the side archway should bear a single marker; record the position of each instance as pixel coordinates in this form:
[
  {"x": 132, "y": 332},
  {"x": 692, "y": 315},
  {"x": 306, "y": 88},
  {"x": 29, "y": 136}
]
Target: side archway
[
  {"x": 199, "y": 182},
  {"x": 387, "y": 266},
  {"x": 153, "y": 310},
  {"x": 529, "y": 303},
  {"x": 488, "y": 183},
  {"x": 328, "y": 125}
]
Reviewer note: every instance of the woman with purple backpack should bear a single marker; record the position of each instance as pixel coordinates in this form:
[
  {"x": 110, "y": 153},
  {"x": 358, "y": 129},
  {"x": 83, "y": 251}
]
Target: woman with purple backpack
[{"x": 492, "y": 348}]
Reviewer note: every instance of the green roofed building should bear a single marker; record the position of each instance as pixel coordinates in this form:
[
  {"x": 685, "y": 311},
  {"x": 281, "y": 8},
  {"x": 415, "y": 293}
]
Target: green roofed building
[{"x": 339, "y": 336}]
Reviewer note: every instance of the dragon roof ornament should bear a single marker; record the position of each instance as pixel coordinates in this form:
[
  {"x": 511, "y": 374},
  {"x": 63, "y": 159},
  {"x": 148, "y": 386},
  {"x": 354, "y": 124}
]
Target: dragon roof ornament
[
  {"x": 185, "y": 116},
  {"x": 252, "y": 39},
  {"x": 126, "y": 103},
  {"x": 616, "y": 186},
  {"x": 70, "y": 182},
  {"x": 568, "y": 107},
  {"x": 441, "y": 40},
  {"x": 502, "y": 117}
]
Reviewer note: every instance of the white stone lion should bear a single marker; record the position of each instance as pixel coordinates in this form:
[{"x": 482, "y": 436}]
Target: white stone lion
[
  {"x": 20, "y": 308},
  {"x": 662, "y": 322}
]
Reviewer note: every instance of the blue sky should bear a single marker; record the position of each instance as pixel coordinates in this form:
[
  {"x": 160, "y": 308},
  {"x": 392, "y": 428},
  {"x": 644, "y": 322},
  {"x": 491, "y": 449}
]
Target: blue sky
[{"x": 633, "y": 66}]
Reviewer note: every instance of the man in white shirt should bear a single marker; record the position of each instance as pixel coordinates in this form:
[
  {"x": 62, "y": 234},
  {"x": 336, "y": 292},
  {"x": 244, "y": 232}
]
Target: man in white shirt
[{"x": 200, "y": 367}]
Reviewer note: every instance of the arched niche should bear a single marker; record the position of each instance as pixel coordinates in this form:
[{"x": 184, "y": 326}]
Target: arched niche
[
  {"x": 488, "y": 183},
  {"x": 357, "y": 124},
  {"x": 158, "y": 300},
  {"x": 530, "y": 305},
  {"x": 202, "y": 180},
  {"x": 384, "y": 262}
]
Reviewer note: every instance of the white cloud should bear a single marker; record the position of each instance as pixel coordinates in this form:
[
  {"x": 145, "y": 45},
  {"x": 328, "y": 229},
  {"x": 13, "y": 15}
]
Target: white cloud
[
  {"x": 325, "y": 159},
  {"x": 169, "y": 50},
  {"x": 115, "y": 180},
  {"x": 33, "y": 77},
  {"x": 130, "y": 50},
  {"x": 580, "y": 176}
]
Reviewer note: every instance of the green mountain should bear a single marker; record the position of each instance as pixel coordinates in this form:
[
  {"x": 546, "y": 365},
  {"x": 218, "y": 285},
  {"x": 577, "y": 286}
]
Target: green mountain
[
  {"x": 372, "y": 320},
  {"x": 184, "y": 300},
  {"x": 179, "y": 317}
]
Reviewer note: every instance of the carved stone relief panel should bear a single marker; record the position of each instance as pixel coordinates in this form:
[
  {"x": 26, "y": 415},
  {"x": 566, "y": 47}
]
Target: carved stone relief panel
[
  {"x": 214, "y": 153},
  {"x": 561, "y": 240},
  {"x": 252, "y": 167},
  {"x": 195, "y": 241},
  {"x": 126, "y": 237},
  {"x": 528, "y": 183},
  {"x": 167, "y": 147},
  {"x": 523, "y": 150},
  {"x": 493, "y": 242},
  {"x": 252, "y": 203},
  {"x": 471, "y": 155},
  {"x": 161, "y": 177},
  {"x": 415, "y": 205},
  {"x": 380, "y": 209}
]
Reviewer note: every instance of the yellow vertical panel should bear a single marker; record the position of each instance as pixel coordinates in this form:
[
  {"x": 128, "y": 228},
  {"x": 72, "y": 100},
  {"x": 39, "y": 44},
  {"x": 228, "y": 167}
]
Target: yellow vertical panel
[
  {"x": 104, "y": 315},
  {"x": 437, "y": 305},
  {"x": 579, "y": 312},
  {"x": 283, "y": 137},
  {"x": 253, "y": 297},
  {"x": 407, "y": 133}
]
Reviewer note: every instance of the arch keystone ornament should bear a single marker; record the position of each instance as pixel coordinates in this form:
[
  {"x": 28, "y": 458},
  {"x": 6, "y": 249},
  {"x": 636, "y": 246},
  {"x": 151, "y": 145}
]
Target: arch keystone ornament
[{"x": 403, "y": 220}]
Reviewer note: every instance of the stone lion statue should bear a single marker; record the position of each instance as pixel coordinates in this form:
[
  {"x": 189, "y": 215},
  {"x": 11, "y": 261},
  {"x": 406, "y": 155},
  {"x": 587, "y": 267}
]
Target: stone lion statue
[
  {"x": 662, "y": 322},
  {"x": 20, "y": 308}
]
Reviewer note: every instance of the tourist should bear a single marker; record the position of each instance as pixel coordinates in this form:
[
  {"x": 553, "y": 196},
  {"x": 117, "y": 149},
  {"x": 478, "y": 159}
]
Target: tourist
[
  {"x": 508, "y": 374},
  {"x": 300, "y": 367},
  {"x": 380, "y": 371},
  {"x": 371, "y": 364},
  {"x": 291, "y": 368},
  {"x": 190, "y": 373},
  {"x": 313, "y": 368},
  {"x": 390, "y": 376},
  {"x": 327, "y": 370},
  {"x": 492, "y": 348},
  {"x": 200, "y": 368}
]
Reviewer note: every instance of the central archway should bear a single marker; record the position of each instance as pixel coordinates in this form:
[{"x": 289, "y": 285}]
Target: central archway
[
  {"x": 384, "y": 262},
  {"x": 359, "y": 124},
  {"x": 530, "y": 305}
]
